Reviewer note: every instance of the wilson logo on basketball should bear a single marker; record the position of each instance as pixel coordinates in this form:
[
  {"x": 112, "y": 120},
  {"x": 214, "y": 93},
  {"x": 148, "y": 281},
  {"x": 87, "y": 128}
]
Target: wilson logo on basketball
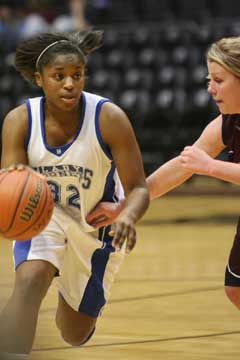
[{"x": 32, "y": 203}]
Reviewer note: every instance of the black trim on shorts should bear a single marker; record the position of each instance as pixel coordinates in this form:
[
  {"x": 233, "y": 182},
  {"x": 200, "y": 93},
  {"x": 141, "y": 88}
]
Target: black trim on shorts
[{"x": 231, "y": 280}]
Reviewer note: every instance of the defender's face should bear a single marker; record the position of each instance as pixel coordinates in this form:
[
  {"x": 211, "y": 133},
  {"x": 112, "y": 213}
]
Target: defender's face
[
  {"x": 62, "y": 81},
  {"x": 224, "y": 88}
]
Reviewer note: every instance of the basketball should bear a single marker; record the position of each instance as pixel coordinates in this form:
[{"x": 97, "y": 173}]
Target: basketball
[{"x": 26, "y": 204}]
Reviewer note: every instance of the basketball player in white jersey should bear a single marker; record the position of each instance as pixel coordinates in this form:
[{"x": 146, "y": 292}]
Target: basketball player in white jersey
[{"x": 77, "y": 140}]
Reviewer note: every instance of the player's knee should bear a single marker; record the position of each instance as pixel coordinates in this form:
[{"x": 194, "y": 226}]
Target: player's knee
[
  {"x": 78, "y": 337},
  {"x": 233, "y": 294}
]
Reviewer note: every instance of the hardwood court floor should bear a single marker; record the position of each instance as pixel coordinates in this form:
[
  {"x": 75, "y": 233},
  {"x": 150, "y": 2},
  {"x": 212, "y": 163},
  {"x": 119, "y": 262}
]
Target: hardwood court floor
[{"x": 168, "y": 301}]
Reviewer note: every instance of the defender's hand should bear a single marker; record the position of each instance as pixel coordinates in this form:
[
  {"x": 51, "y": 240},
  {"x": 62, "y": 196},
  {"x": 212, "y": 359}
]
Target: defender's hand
[
  {"x": 104, "y": 214},
  {"x": 196, "y": 160}
]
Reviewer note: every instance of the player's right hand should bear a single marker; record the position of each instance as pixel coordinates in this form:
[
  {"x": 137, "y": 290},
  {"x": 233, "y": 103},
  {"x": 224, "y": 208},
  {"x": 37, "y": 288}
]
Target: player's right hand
[
  {"x": 19, "y": 167},
  {"x": 14, "y": 167}
]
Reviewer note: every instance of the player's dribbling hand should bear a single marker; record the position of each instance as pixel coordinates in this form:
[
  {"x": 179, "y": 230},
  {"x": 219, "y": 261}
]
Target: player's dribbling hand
[
  {"x": 123, "y": 230},
  {"x": 19, "y": 167}
]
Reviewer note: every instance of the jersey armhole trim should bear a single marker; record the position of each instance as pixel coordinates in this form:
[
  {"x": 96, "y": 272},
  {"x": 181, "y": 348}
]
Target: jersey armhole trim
[
  {"x": 224, "y": 129},
  {"x": 98, "y": 133},
  {"x": 29, "y": 126}
]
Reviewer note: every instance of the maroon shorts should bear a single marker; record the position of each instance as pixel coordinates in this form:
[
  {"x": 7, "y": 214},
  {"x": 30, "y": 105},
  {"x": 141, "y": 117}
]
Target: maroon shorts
[{"x": 232, "y": 276}]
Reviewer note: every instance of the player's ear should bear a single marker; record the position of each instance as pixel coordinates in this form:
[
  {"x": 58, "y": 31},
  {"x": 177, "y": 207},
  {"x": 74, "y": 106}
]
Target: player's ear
[{"x": 38, "y": 78}]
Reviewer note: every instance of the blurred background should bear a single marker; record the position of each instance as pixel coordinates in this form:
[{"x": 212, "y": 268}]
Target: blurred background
[{"x": 152, "y": 63}]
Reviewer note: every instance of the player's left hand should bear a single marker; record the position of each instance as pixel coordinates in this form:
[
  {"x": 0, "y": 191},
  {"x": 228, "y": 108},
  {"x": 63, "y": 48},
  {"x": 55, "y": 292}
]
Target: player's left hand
[
  {"x": 196, "y": 160},
  {"x": 122, "y": 230}
]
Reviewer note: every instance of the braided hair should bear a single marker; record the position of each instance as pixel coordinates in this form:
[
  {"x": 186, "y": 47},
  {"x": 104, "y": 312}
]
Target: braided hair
[{"x": 34, "y": 53}]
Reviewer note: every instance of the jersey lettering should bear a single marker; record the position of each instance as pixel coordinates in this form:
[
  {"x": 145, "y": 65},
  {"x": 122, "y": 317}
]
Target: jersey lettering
[{"x": 84, "y": 174}]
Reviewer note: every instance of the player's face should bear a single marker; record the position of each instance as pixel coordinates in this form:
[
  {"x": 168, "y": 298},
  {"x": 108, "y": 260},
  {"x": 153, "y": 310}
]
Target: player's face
[
  {"x": 62, "y": 81},
  {"x": 224, "y": 88}
]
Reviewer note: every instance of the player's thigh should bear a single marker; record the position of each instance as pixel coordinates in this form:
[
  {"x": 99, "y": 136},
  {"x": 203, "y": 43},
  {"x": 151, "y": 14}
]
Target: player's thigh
[{"x": 33, "y": 279}]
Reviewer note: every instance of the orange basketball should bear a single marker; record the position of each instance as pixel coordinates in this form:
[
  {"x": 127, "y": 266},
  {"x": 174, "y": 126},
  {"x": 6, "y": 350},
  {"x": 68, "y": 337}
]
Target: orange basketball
[{"x": 26, "y": 204}]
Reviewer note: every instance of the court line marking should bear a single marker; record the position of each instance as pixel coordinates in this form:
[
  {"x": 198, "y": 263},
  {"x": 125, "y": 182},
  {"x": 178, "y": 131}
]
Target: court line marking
[
  {"x": 152, "y": 296},
  {"x": 170, "y": 279},
  {"x": 222, "y": 218},
  {"x": 134, "y": 342}
]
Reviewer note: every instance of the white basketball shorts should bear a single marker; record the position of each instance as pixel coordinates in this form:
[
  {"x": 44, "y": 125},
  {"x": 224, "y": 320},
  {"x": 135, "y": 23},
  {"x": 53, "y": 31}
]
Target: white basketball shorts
[{"x": 87, "y": 263}]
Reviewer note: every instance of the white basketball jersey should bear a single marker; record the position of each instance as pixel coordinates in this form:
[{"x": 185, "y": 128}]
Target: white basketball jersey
[{"x": 81, "y": 173}]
